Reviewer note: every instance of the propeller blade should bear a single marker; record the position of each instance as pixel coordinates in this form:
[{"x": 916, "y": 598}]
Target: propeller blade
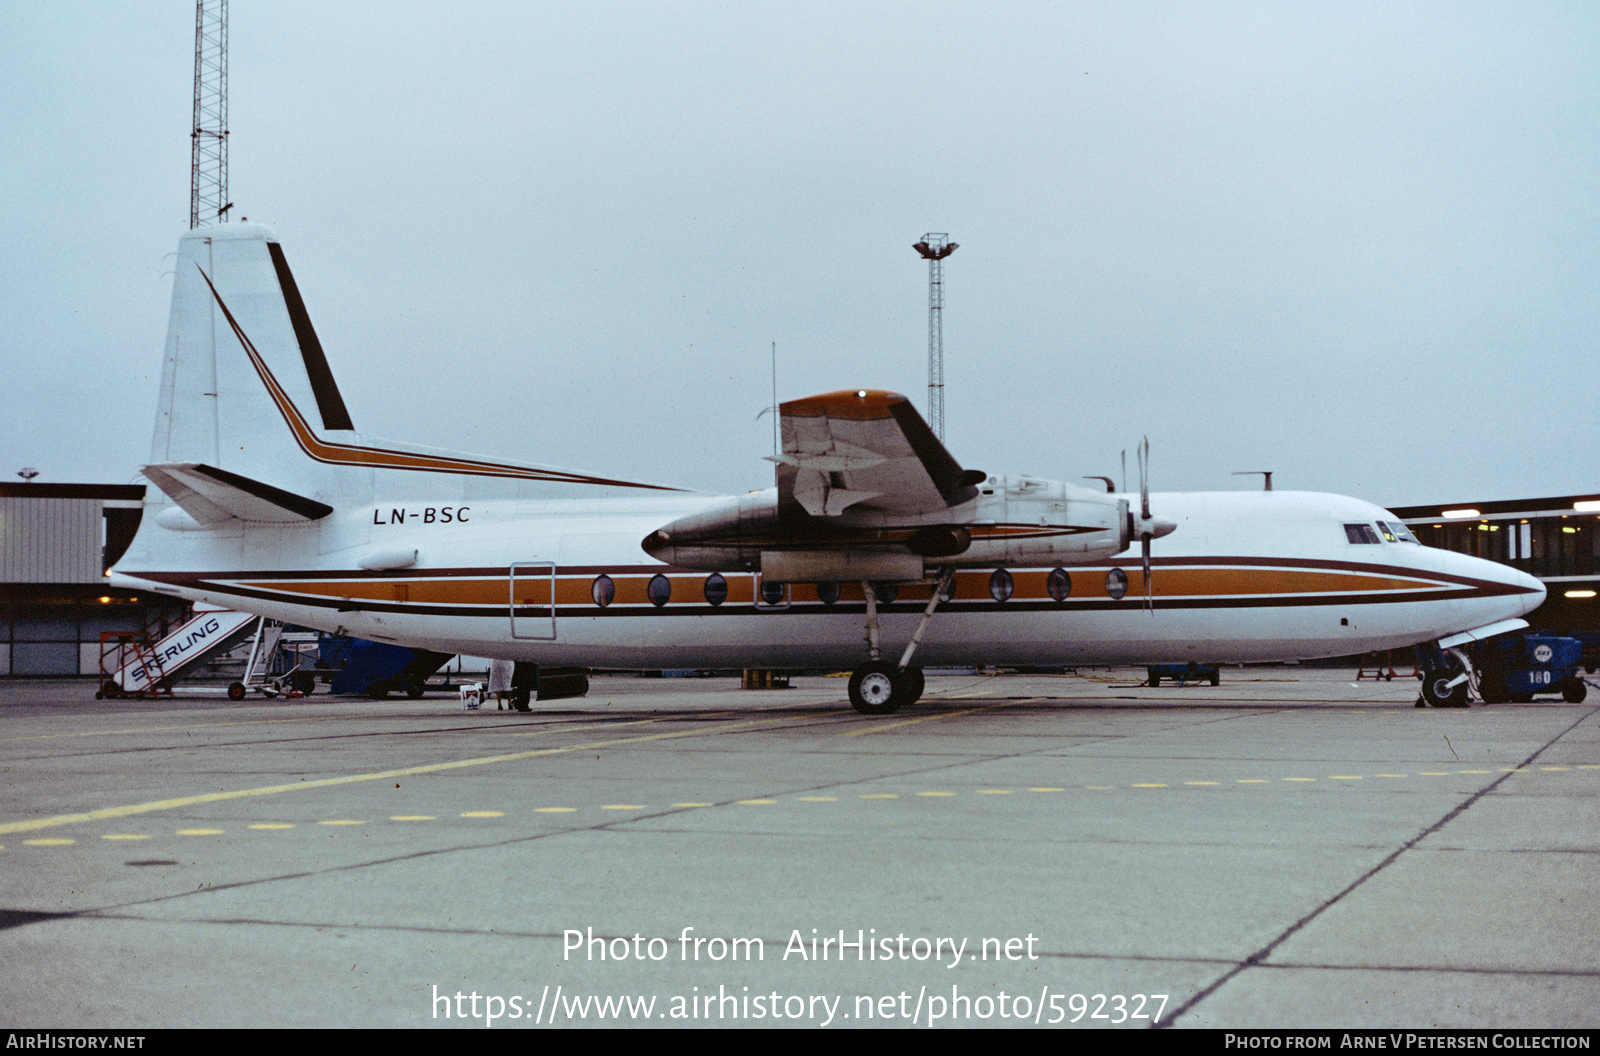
[{"x": 1144, "y": 478}]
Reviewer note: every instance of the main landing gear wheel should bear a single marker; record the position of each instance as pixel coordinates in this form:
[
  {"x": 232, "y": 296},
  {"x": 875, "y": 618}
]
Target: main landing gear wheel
[
  {"x": 880, "y": 688},
  {"x": 876, "y": 688}
]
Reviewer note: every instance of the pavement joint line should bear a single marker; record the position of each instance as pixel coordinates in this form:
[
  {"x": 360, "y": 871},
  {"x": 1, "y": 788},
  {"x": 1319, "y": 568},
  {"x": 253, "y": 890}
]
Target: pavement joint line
[
  {"x": 129, "y": 810},
  {"x": 166, "y": 729},
  {"x": 1260, "y": 956},
  {"x": 882, "y": 726}
]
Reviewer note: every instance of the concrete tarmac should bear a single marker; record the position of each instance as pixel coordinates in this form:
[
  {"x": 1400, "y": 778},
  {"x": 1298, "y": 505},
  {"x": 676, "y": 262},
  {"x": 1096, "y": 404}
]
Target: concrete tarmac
[{"x": 1289, "y": 849}]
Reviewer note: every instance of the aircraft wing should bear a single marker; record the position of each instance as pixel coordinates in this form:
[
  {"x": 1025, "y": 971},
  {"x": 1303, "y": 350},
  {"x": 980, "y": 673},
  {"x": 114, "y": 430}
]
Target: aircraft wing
[{"x": 867, "y": 450}]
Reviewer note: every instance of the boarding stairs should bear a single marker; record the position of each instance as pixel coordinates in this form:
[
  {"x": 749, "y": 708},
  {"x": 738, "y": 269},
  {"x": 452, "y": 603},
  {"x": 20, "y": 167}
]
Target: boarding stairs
[{"x": 144, "y": 663}]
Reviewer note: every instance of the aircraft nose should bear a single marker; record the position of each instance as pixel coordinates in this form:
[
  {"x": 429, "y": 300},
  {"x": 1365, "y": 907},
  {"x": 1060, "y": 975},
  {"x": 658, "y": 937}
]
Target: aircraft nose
[{"x": 1534, "y": 591}]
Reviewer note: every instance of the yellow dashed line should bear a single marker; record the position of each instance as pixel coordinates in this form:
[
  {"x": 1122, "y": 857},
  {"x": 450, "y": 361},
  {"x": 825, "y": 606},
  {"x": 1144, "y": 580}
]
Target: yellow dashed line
[{"x": 929, "y": 793}]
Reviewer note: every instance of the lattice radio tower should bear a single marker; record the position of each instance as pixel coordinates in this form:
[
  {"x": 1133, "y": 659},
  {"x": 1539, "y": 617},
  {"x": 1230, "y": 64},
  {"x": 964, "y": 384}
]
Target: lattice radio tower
[
  {"x": 208, "y": 174},
  {"x": 934, "y": 249}
]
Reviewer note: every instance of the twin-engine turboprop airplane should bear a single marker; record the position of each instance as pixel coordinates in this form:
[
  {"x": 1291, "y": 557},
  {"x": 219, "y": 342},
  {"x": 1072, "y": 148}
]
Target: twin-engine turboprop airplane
[{"x": 876, "y": 550}]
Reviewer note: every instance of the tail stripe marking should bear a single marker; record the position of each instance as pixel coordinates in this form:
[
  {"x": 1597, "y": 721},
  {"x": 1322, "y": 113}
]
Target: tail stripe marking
[{"x": 379, "y": 458}]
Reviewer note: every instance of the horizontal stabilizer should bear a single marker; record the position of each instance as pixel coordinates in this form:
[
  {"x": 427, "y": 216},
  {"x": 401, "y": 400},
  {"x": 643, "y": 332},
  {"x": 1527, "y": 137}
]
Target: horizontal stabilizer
[{"x": 212, "y": 496}]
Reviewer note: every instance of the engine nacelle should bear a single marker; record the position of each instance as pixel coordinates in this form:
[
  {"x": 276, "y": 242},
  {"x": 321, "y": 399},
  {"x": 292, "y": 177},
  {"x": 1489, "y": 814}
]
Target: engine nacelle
[{"x": 1012, "y": 521}]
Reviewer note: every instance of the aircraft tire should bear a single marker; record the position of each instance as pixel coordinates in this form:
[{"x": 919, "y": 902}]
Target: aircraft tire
[
  {"x": 876, "y": 688},
  {"x": 1439, "y": 693},
  {"x": 915, "y": 684},
  {"x": 414, "y": 690},
  {"x": 1492, "y": 687},
  {"x": 1573, "y": 690},
  {"x": 236, "y": 691}
]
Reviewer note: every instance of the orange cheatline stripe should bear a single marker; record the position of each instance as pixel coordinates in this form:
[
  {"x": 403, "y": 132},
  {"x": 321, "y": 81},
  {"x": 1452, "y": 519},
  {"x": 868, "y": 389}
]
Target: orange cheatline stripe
[{"x": 1030, "y": 584}]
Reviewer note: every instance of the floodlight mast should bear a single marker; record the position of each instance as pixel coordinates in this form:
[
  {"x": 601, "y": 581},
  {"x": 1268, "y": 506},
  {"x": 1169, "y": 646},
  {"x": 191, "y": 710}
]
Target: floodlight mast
[
  {"x": 208, "y": 170},
  {"x": 934, "y": 248}
]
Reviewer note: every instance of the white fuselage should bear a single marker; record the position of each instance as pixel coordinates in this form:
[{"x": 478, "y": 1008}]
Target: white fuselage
[{"x": 1246, "y": 576}]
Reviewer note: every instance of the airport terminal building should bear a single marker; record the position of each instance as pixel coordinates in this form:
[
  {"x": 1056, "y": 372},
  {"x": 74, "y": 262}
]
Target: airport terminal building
[
  {"x": 1556, "y": 539},
  {"x": 57, "y": 540}
]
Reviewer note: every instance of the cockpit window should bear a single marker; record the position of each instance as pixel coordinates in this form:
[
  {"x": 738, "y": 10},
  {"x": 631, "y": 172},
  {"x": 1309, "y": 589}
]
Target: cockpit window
[
  {"x": 1361, "y": 533},
  {"x": 1387, "y": 532},
  {"x": 1401, "y": 532}
]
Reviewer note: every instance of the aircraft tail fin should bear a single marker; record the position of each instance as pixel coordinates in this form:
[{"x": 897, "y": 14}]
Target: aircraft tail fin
[
  {"x": 220, "y": 427},
  {"x": 247, "y": 398}
]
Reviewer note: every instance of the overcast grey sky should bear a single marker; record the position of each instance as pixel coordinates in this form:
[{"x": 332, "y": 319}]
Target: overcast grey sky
[{"x": 1355, "y": 243}]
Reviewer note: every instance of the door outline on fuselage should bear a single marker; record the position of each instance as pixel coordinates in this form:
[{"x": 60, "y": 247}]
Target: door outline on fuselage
[{"x": 533, "y": 613}]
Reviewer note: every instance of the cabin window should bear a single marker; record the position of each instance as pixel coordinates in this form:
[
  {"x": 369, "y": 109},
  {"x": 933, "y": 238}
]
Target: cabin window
[
  {"x": 771, "y": 592},
  {"x": 1000, "y": 585},
  {"x": 659, "y": 590},
  {"x": 603, "y": 591},
  {"x": 1117, "y": 584},
  {"x": 886, "y": 592},
  {"x": 1059, "y": 584},
  {"x": 827, "y": 593},
  {"x": 716, "y": 589},
  {"x": 1361, "y": 533}
]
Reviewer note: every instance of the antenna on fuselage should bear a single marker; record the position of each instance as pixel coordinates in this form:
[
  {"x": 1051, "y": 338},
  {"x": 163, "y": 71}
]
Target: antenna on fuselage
[{"x": 1267, "y": 473}]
